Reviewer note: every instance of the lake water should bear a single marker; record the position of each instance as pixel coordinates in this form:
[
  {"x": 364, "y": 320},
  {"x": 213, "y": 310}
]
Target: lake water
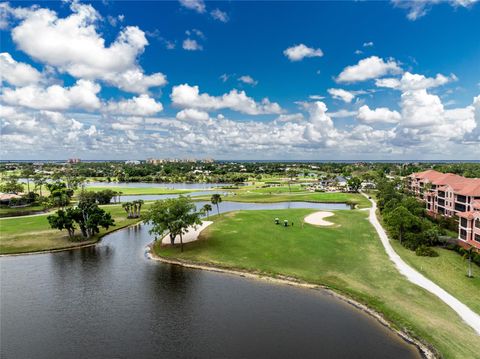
[
  {"x": 155, "y": 197},
  {"x": 192, "y": 186},
  {"x": 110, "y": 301}
]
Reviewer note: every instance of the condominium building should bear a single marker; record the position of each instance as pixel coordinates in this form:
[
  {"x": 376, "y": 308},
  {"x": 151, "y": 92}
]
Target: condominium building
[{"x": 451, "y": 195}]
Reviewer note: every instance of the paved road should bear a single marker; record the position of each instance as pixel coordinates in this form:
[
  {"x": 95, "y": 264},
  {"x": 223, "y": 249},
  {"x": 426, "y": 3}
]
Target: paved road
[{"x": 468, "y": 315}]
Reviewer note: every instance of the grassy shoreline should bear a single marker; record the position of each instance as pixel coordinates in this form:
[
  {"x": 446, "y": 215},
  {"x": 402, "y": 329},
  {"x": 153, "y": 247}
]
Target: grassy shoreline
[
  {"x": 347, "y": 258},
  {"x": 426, "y": 349},
  {"x": 23, "y": 235}
]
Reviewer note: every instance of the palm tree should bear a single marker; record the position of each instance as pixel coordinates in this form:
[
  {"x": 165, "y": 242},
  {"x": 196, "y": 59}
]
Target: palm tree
[
  {"x": 468, "y": 254},
  {"x": 39, "y": 182},
  {"x": 27, "y": 174},
  {"x": 291, "y": 173},
  {"x": 216, "y": 199},
  {"x": 206, "y": 208},
  {"x": 137, "y": 207},
  {"x": 127, "y": 206}
]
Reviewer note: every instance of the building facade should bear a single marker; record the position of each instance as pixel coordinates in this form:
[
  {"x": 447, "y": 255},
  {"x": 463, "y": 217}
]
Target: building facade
[{"x": 451, "y": 195}]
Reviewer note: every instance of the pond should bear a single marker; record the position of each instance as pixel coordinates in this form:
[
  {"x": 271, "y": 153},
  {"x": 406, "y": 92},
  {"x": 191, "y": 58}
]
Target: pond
[
  {"x": 192, "y": 186},
  {"x": 110, "y": 301}
]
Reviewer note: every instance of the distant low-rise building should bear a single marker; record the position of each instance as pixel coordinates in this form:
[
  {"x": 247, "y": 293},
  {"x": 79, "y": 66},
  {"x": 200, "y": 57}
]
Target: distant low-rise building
[
  {"x": 451, "y": 195},
  {"x": 74, "y": 160},
  {"x": 156, "y": 161}
]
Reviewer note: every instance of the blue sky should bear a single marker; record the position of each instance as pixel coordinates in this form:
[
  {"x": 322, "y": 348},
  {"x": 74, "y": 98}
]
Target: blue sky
[{"x": 275, "y": 80}]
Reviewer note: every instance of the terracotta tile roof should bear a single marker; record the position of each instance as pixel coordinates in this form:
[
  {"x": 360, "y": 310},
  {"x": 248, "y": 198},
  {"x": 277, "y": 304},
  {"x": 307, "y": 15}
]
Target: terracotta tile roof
[
  {"x": 8, "y": 196},
  {"x": 460, "y": 185},
  {"x": 470, "y": 187},
  {"x": 469, "y": 214},
  {"x": 428, "y": 174}
]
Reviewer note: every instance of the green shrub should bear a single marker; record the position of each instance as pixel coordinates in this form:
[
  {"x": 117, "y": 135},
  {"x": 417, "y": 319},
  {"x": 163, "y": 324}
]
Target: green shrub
[{"x": 425, "y": 251}]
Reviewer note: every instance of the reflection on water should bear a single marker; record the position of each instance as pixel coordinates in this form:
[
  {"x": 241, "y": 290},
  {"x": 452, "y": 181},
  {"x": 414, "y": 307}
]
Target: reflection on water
[{"x": 109, "y": 301}]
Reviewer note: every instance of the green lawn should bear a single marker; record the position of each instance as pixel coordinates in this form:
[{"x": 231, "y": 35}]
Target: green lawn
[
  {"x": 20, "y": 211},
  {"x": 139, "y": 190},
  {"x": 281, "y": 196},
  {"x": 448, "y": 270},
  {"x": 347, "y": 257},
  {"x": 31, "y": 234}
]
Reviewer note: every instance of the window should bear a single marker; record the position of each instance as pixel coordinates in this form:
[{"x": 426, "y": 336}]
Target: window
[
  {"x": 461, "y": 198},
  {"x": 460, "y": 207},
  {"x": 441, "y": 194},
  {"x": 463, "y": 234},
  {"x": 477, "y": 237},
  {"x": 463, "y": 222},
  {"x": 441, "y": 202},
  {"x": 477, "y": 223}
]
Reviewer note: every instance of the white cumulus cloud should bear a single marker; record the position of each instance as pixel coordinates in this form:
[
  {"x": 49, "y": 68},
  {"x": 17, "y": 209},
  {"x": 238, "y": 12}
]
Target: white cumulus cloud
[
  {"x": 380, "y": 114},
  {"x": 73, "y": 45},
  {"x": 17, "y": 73},
  {"x": 189, "y": 97},
  {"x": 419, "y": 8},
  {"x": 191, "y": 45},
  {"x": 340, "y": 94},
  {"x": 369, "y": 68},
  {"x": 192, "y": 114},
  {"x": 83, "y": 95},
  {"x": 247, "y": 79},
  {"x": 142, "y": 105},
  {"x": 220, "y": 15},
  {"x": 195, "y": 5},
  {"x": 299, "y": 52}
]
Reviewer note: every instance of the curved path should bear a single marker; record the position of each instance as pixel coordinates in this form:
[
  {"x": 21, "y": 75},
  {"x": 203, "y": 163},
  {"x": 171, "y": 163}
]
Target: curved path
[{"x": 468, "y": 315}]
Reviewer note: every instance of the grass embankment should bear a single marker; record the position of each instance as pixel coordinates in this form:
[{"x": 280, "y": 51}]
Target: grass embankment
[
  {"x": 347, "y": 257},
  {"x": 448, "y": 270},
  {"x": 33, "y": 234},
  {"x": 129, "y": 191}
]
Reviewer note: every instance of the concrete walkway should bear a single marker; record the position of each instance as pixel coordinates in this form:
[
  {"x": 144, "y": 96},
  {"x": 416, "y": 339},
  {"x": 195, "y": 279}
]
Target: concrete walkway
[
  {"x": 468, "y": 315},
  {"x": 191, "y": 235}
]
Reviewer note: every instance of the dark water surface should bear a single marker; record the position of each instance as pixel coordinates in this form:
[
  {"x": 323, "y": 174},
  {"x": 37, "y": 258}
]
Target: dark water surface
[{"x": 109, "y": 301}]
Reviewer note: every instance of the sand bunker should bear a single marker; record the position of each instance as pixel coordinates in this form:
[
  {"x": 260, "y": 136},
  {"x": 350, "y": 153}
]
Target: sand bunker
[
  {"x": 317, "y": 218},
  {"x": 191, "y": 235}
]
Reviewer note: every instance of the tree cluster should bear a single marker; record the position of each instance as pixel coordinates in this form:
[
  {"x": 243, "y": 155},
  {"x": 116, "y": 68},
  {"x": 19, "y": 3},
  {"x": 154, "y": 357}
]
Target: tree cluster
[
  {"x": 173, "y": 216},
  {"x": 87, "y": 216},
  {"x": 133, "y": 208},
  {"x": 405, "y": 218}
]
